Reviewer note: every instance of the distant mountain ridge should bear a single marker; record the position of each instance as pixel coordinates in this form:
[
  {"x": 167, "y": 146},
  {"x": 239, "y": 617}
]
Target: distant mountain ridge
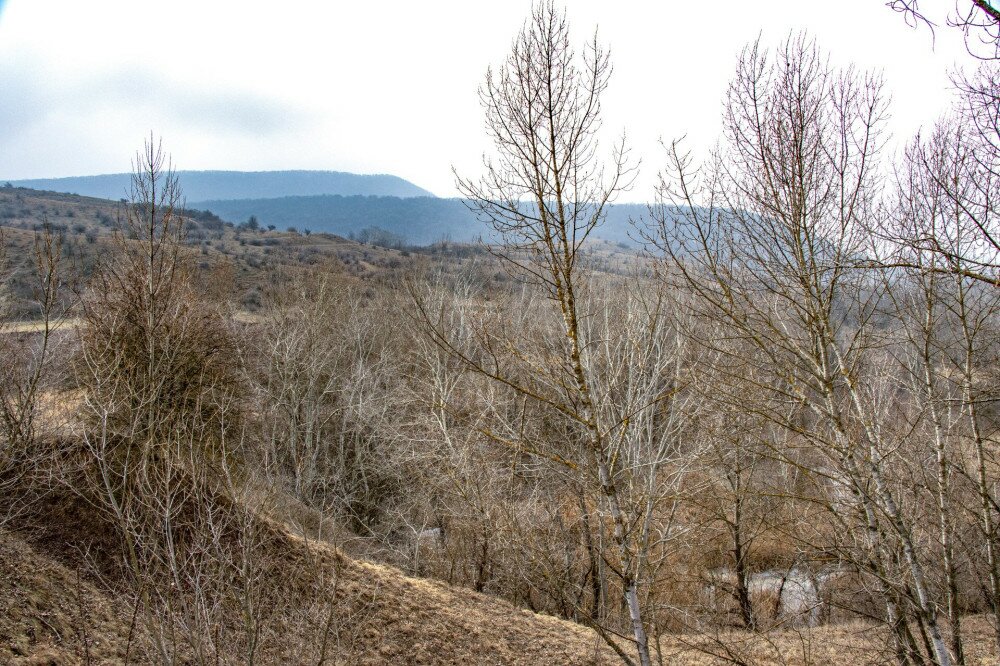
[
  {"x": 229, "y": 185},
  {"x": 415, "y": 220}
]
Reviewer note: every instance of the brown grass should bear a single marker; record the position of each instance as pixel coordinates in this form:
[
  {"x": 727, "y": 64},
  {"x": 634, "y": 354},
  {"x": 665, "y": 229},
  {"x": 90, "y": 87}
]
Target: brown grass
[
  {"x": 53, "y": 615},
  {"x": 57, "y": 610},
  {"x": 847, "y": 644}
]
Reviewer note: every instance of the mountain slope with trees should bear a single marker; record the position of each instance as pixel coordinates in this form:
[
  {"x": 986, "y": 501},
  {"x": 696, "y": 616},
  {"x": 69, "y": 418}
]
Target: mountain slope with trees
[{"x": 415, "y": 220}]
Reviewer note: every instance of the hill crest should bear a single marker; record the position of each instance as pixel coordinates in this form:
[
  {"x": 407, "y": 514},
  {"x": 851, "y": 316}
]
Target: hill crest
[{"x": 227, "y": 185}]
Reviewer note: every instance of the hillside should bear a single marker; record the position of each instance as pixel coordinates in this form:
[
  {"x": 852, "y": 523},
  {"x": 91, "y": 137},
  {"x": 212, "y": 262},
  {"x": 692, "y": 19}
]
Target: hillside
[
  {"x": 252, "y": 261},
  {"x": 204, "y": 185},
  {"x": 346, "y": 205},
  {"x": 415, "y": 220},
  {"x": 58, "y": 612},
  {"x": 242, "y": 263}
]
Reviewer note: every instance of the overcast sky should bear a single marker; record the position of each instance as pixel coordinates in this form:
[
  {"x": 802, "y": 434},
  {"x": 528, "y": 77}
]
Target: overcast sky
[{"x": 390, "y": 86}]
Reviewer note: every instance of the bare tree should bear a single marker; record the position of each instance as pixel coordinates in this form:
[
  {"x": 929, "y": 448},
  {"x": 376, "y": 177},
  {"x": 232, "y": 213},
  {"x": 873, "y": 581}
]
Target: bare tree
[
  {"x": 327, "y": 377},
  {"x": 979, "y": 21},
  {"x": 943, "y": 235},
  {"x": 771, "y": 237},
  {"x": 544, "y": 192},
  {"x": 162, "y": 425},
  {"x": 957, "y": 168},
  {"x": 734, "y": 498},
  {"x": 27, "y": 357},
  {"x": 299, "y": 345}
]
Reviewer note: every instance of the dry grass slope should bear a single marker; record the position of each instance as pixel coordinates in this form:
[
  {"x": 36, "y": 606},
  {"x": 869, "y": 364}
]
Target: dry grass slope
[
  {"x": 45, "y": 607},
  {"x": 413, "y": 621},
  {"x": 53, "y": 615},
  {"x": 847, "y": 644}
]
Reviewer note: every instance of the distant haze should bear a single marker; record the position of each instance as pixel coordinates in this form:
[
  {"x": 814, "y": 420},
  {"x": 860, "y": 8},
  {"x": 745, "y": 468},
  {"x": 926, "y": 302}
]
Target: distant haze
[{"x": 222, "y": 185}]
